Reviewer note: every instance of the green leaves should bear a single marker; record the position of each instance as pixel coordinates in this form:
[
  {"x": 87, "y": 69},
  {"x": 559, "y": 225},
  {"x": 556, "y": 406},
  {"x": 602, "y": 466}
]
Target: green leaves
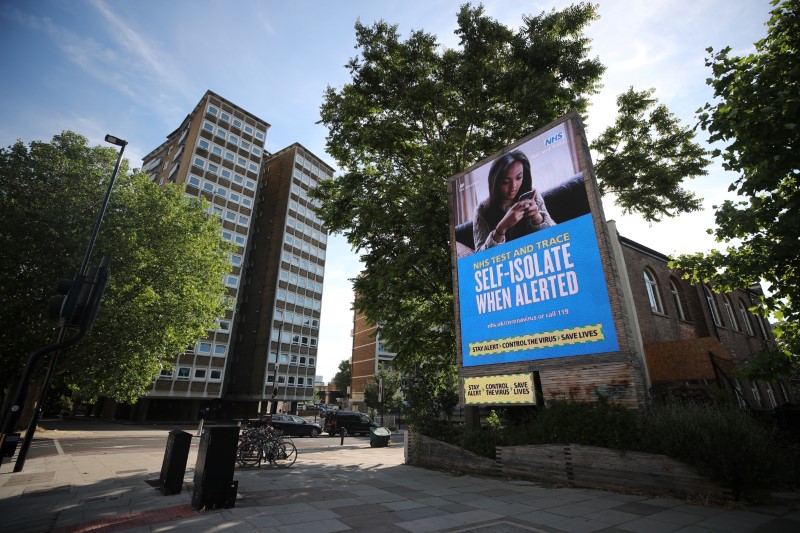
[
  {"x": 415, "y": 114},
  {"x": 167, "y": 262},
  {"x": 392, "y": 400},
  {"x": 756, "y": 97},
  {"x": 343, "y": 377},
  {"x": 645, "y": 158}
]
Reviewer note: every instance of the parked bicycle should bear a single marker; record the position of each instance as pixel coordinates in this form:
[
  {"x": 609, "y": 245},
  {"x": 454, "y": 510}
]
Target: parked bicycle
[{"x": 264, "y": 443}]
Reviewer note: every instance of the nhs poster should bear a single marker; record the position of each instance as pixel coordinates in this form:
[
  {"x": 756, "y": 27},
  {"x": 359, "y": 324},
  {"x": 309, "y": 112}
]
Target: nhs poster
[{"x": 530, "y": 280}]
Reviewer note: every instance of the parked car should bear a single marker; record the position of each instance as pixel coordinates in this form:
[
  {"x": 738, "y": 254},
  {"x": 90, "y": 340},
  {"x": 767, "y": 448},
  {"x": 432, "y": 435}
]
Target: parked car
[
  {"x": 353, "y": 422},
  {"x": 296, "y": 426}
]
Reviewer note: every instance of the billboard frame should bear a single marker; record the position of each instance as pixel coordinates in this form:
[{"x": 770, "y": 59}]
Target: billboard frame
[{"x": 580, "y": 376}]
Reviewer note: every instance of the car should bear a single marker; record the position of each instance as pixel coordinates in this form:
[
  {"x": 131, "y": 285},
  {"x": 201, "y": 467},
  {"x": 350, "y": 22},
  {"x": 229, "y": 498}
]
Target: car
[
  {"x": 295, "y": 426},
  {"x": 353, "y": 422}
]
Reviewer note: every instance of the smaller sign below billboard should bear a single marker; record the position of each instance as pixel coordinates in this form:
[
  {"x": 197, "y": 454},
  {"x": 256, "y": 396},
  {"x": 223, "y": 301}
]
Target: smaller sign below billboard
[{"x": 508, "y": 389}]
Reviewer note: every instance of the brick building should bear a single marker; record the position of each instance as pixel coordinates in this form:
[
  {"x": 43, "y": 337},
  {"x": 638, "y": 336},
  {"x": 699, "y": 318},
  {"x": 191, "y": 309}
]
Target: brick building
[
  {"x": 370, "y": 354},
  {"x": 695, "y": 340}
]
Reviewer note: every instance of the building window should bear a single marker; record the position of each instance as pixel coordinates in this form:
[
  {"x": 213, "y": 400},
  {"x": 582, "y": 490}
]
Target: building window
[
  {"x": 760, "y": 322},
  {"x": 756, "y": 395},
  {"x": 194, "y": 181},
  {"x": 652, "y": 292},
  {"x": 225, "y": 117},
  {"x": 676, "y": 298},
  {"x": 311, "y": 361},
  {"x": 200, "y": 373},
  {"x": 731, "y": 313},
  {"x": 237, "y": 123},
  {"x": 183, "y": 372},
  {"x": 165, "y": 374},
  {"x": 204, "y": 347},
  {"x": 771, "y": 397},
  {"x": 232, "y": 281},
  {"x": 212, "y": 110},
  {"x": 291, "y": 380},
  {"x": 216, "y": 150},
  {"x": 215, "y": 375},
  {"x": 712, "y": 306},
  {"x": 745, "y": 317},
  {"x": 224, "y": 325},
  {"x": 219, "y": 350}
]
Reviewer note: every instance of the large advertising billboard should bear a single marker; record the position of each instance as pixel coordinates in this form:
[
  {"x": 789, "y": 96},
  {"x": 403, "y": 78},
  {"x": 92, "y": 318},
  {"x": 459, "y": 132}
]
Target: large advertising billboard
[{"x": 530, "y": 280}]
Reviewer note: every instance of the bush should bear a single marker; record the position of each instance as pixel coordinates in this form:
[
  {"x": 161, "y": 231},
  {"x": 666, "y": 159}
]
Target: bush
[{"x": 722, "y": 442}]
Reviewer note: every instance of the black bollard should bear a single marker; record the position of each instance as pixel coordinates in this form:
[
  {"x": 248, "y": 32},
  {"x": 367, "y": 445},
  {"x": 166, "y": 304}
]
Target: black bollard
[{"x": 342, "y": 432}]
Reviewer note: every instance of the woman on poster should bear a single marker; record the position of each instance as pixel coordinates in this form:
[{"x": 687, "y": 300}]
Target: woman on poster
[{"x": 514, "y": 208}]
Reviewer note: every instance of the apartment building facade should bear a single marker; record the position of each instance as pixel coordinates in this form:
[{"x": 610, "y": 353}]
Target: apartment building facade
[
  {"x": 262, "y": 201},
  {"x": 275, "y": 353}
]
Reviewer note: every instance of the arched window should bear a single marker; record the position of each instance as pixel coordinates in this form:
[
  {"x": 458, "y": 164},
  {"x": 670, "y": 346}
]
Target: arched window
[
  {"x": 756, "y": 395},
  {"x": 745, "y": 316},
  {"x": 731, "y": 313},
  {"x": 652, "y": 292},
  {"x": 676, "y": 298},
  {"x": 712, "y": 306}
]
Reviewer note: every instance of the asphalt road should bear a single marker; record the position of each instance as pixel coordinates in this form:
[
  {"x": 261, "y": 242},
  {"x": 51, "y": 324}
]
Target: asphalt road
[{"x": 45, "y": 446}]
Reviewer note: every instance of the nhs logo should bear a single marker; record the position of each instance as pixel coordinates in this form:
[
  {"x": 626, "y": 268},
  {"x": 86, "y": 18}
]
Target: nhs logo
[{"x": 554, "y": 138}]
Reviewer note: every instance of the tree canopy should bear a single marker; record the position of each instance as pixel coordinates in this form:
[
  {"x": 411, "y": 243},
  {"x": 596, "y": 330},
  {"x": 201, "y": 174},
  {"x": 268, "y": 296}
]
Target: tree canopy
[
  {"x": 167, "y": 261},
  {"x": 392, "y": 399},
  {"x": 415, "y": 113},
  {"x": 341, "y": 380},
  {"x": 756, "y": 117}
]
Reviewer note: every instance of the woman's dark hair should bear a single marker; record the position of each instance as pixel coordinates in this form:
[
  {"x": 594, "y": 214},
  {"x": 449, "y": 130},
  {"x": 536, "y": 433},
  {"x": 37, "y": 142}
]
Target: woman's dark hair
[{"x": 499, "y": 170}]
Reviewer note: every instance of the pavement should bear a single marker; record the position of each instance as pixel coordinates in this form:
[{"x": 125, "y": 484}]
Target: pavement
[{"x": 345, "y": 488}]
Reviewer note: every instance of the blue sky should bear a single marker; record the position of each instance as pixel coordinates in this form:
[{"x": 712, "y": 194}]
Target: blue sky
[{"x": 136, "y": 68}]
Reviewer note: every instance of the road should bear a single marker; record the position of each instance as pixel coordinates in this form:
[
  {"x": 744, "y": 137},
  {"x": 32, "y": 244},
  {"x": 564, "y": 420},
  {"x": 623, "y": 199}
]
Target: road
[{"x": 46, "y": 446}]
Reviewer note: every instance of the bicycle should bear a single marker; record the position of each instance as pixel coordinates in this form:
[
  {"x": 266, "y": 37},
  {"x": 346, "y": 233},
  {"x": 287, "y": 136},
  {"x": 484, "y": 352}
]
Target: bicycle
[{"x": 265, "y": 443}]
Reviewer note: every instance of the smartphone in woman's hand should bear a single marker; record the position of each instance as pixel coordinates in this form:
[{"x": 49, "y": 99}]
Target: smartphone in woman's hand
[{"x": 526, "y": 196}]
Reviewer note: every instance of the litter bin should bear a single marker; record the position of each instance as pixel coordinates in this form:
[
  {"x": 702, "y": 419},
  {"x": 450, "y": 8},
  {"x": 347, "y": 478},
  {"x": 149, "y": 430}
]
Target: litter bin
[
  {"x": 174, "y": 466},
  {"x": 379, "y": 437},
  {"x": 214, "y": 486}
]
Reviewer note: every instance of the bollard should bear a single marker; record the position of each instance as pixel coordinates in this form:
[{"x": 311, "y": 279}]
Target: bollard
[
  {"x": 200, "y": 428},
  {"x": 343, "y": 432}
]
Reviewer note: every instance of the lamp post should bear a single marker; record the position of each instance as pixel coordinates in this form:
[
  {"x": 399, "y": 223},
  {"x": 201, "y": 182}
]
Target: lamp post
[{"x": 274, "y": 405}]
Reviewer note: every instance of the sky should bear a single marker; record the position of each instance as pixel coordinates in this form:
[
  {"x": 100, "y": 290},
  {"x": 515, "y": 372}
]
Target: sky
[{"x": 136, "y": 69}]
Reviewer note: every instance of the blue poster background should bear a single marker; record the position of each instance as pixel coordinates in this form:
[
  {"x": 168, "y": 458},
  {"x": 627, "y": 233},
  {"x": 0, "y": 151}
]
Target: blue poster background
[{"x": 588, "y": 306}]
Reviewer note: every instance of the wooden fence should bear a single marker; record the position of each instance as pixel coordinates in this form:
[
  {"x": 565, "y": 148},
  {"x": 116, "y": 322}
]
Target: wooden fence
[{"x": 572, "y": 465}]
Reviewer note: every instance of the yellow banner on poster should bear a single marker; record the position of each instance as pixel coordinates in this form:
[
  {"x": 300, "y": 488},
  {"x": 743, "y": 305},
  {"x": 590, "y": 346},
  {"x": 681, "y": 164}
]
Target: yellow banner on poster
[
  {"x": 547, "y": 339},
  {"x": 514, "y": 389}
]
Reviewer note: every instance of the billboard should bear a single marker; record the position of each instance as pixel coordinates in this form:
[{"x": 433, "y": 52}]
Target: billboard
[
  {"x": 530, "y": 280},
  {"x": 509, "y": 389}
]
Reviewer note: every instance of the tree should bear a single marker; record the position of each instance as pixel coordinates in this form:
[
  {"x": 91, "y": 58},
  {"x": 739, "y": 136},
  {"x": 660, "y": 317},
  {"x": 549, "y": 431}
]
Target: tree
[
  {"x": 167, "y": 262},
  {"x": 415, "y": 114},
  {"x": 756, "y": 116},
  {"x": 341, "y": 380},
  {"x": 391, "y": 400},
  {"x": 646, "y": 157}
]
